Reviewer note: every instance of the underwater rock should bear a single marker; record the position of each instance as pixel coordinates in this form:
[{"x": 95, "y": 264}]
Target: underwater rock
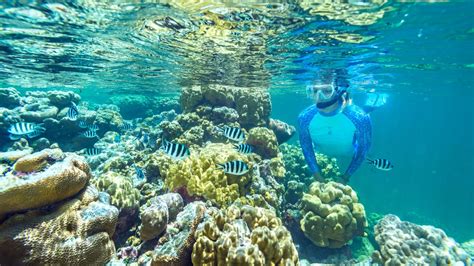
[
  {"x": 9, "y": 98},
  {"x": 7, "y": 118},
  {"x": 61, "y": 176},
  {"x": 332, "y": 215},
  {"x": 264, "y": 142},
  {"x": 12, "y": 156},
  {"x": 73, "y": 232},
  {"x": 243, "y": 235},
  {"x": 156, "y": 214},
  {"x": 253, "y": 105},
  {"x": 175, "y": 247},
  {"x": 405, "y": 243},
  {"x": 282, "y": 130},
  {"x": 37, "y": 110}
]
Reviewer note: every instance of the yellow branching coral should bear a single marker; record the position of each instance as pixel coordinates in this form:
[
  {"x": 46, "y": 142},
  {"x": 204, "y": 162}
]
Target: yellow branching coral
[
  {"x": 243, "y": 236},
  {"x": 199, "y": 174},
  {"x": 332, "y": 214}
]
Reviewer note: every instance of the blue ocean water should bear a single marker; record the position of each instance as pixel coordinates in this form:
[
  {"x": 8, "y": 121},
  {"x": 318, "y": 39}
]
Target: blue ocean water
[{"x": 420, "y": 54}]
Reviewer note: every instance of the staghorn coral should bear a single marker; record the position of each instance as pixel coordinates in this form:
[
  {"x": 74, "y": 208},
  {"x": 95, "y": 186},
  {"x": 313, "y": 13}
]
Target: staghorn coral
[
  {"x": 405, "y": 243},
  {"x": 59, "y": 179},
  {"x": 243, "y": 235},
  {"x": 120, "y": 188},
  {"x": 332, "y": 215},
  {"x": 200, "y": 176},
  {"x": 73, "y": 232},
  {"x": 264, "y": 142},
  {"x": 175, "y": 247},
  {"x": 156, "y": 214},
  {"x": 252, "y": 104}
]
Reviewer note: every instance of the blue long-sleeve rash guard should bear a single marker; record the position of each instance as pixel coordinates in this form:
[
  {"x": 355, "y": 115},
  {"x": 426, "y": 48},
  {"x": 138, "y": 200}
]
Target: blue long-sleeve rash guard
[{"x": 362, "y": 136}]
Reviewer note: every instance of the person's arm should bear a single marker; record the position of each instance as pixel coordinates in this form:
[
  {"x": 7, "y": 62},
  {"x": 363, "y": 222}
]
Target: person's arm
[
  {"x": 363, "y": 137},
  {"x": 304, "y": 119}
]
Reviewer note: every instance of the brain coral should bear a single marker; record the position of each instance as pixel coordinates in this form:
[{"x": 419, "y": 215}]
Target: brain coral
[
  {"x": 332, "y": 214},
  {"x": 59, "y": 179},
  {"x": 405, "y": 243},
  {"x": 243, "y": 236},
  {"x": 74, "y": 232}
]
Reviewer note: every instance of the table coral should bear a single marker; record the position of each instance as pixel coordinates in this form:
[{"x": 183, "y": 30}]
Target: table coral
[
  {"x": 405, "y": 243},
  {"x": 332, "y": 214},
  {"x": 59, "y": 179},
  {"x": 243, "y": 235},
  {"x": 74, "y": 232}
]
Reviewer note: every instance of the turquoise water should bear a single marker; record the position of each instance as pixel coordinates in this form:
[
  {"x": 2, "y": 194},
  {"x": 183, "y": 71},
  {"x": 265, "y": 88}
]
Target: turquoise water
[{"x": 420, "y": 54}]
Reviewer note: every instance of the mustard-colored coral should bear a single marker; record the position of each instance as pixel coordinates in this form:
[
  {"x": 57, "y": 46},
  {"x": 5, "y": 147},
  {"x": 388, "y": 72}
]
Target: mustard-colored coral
[
  {"x": 200, "y": 176},
  {"x": 120, "y": 189},
  {"x": 62, "y": 179},
  {"x": 264, "y": 142},
  {"x": 38, "y": 160},
  {"x": 243, "y": 236},
  {"x": 75, "y": 232},
  {"x": 332, "y": 214}
]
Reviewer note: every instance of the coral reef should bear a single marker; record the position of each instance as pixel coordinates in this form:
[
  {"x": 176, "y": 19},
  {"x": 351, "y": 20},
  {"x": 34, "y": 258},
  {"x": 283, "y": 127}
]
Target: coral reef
[
  {"x": 156, "y": 214},
  {"x": 61, "y": 176},
  {"x": 252, "y": 104},
  {"x": 73, "y": 232},
  {"x": 120, "y": 188},
  {"x": 332, "y": 215},
  {"x": 175, "y": 247},
  {"x": 133, "y": 106},
  {"x": 243, "y": 235},
  {"x": 200, "y": 176},
  {"x": 9, "y": 97},
  {"x": 282, "y": 130},
  {"x": 264, "y": 142},
  {"x": 405, "y": 243}
]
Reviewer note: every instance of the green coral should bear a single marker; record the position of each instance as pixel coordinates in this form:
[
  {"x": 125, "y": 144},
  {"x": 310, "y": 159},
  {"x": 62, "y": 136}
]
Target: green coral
[
  {"x": 120, "y": 188},
  {"x": 332, "y": 214}
]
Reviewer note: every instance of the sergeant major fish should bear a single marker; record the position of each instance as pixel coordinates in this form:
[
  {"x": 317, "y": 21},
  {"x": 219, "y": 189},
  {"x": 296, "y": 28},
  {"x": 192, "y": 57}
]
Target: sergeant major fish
[
  {"x": 175, "y": 150},
  {"x": 244, "y": 148},
  {"x": 93, "y": 151},
  {"x": 232, "y": 133},
  {"x": 235, "y": 167},
  {"x": 72, "y": 112},
  {"x": 381, "y": 164},
  {"x": 90, "y": 134}
]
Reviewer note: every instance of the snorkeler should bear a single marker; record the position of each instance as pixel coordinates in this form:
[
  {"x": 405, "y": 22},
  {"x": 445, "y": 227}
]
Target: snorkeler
[{"x": 336, "y": 126}]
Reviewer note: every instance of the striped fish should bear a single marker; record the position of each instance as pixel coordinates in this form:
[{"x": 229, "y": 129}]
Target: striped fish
[
  {"x": 90, "y": 134},
  {"x": 236, "y": 167},
  {"x": 381, "y": 164},
  {"x": 23, "y": 128},
  {"x": 244, "y": 148},
  {"x": 175, "y": 150},
  {"x": 93, "y": 127},
  {"x": 72, "y": 112},
  {"x": 93, "y": 151},
  {"x": 126, "y": 126},
  {"x": 83, "y": 124},
  {"x": 139, "y": 171},
  {"x": 233, "y": 133}
]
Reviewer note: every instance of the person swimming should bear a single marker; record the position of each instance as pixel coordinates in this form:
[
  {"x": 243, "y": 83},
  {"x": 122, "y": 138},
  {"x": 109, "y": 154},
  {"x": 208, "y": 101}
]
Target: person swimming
[{"x": 335, "y": 125}]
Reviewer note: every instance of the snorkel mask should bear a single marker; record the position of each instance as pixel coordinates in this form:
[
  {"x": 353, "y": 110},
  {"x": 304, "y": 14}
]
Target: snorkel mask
[{"x": 324, "y": 94}]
